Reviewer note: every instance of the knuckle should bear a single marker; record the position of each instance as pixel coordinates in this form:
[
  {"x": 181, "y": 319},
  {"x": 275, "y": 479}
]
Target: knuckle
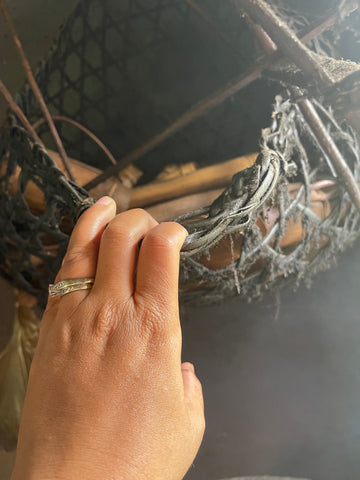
[
  {"x": 142, "y": 215},
  {"x": 108, "y": 317},
  {"x": 105, "y": 320},
  {"x": 159, "y": 240},
  {"x": 140, "y": 212},
  {"x": 65, "y": 337},
  {"x": 75, "y": 255},
  {"x": 116, "y": 233},
  {"x": 154, "y": 324}
]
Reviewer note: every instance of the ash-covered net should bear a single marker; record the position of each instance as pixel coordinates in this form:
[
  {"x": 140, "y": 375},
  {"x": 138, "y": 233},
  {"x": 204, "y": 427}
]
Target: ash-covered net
[
  {"x": 34, "y": 240},
  {"x": 295, "y": 176},
  {"x": 127, "y": 70}
]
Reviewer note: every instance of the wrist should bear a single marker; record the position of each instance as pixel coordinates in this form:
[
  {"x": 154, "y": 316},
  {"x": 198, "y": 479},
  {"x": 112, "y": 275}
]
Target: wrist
[{"x": 88, "y": 472}]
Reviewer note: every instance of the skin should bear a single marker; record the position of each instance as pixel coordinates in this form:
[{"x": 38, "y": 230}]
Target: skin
[{"x": 108, "y": 396}]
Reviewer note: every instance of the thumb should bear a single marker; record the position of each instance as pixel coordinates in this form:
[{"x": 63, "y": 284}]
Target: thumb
[{"x": 193, "y": 395}]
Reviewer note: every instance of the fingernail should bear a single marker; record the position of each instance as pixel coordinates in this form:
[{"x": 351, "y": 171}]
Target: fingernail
[
  {"x": 188, "y": 366},
  {"x": 183, "y": 233},
  {"x": 186, "y": 232},
  {"x": 104, "y": 201}
]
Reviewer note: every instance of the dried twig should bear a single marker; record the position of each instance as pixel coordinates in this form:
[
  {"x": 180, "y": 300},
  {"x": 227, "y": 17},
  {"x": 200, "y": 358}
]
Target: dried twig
[
  {"x": 265, "y": 41},
  {"x": 329, "y": 146},
  {"x": 18, "y": 112},
  {"x": 285, "y": 39},
  {"x": 89, "y": 133},
  {"x": 37, "y": 93}
]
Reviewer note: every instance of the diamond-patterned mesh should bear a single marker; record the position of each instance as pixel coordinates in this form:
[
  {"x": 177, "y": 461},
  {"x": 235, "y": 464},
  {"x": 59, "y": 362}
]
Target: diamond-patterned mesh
[
  {"x": 34, "y": 240},
  {"x": 122, "y": 69}
]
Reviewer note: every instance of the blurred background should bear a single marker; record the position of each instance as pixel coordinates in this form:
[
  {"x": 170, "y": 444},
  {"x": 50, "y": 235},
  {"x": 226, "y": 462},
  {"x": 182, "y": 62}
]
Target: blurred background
[{"x": 281, "y": 377}]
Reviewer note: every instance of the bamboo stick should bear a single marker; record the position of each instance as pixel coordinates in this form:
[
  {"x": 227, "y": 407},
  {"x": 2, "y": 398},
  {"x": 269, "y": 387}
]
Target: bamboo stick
[
  {"x": 201, "y": 180},
  {"x": 166, "y": 211}
]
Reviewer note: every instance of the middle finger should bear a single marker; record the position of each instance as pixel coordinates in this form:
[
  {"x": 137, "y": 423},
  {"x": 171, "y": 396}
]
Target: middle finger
[{"x": 119, "y": 251}]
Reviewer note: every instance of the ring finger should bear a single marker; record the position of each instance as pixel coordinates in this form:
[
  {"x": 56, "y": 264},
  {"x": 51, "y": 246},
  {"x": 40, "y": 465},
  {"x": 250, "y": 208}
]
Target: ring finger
[{"x": 82, "y": 252}]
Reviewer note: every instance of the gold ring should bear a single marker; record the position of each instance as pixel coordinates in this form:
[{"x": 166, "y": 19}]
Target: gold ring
[{"x": 71, "y": 285}]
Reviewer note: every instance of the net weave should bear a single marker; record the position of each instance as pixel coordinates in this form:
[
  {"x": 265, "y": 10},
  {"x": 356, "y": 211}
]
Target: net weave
[
  {"x": 24, "y": 258},
  {"x": 263, "y": 264}
]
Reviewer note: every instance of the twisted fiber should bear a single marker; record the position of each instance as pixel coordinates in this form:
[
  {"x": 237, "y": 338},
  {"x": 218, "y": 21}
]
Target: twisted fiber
[{"x": 237, "y": 206}]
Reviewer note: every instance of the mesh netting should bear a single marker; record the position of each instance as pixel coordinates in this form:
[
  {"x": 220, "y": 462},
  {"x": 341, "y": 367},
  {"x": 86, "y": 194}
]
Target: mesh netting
[
  {"x": 265, "y": 260},
  {"x": 33, "y": 242},
  {"x": 128, "y": 69},
  {"x": 123, "y": 70}
]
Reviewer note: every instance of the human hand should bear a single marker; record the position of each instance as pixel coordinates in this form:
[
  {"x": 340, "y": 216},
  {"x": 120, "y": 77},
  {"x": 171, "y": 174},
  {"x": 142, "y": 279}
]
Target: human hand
[{"x": 107, "y": 396}]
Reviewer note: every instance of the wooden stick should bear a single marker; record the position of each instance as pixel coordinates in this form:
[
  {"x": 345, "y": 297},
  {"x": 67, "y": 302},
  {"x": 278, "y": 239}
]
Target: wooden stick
[
  {"x": 112, "y": 187},
  {"x": 89, "y": 133},
  {"x": 166, "y": 211},
  {"x": 224, "y": 253},
  {"x": 285, "y": 39},
  {"x": 18, "y": 112},
  {"x": 328, "y": 144},
  {"x": 201, "y": 180}
]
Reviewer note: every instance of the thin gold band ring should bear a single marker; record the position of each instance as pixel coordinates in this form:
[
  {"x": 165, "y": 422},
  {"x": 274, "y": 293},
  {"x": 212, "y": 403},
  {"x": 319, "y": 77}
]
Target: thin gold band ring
[{"x": 70, "y": 285}]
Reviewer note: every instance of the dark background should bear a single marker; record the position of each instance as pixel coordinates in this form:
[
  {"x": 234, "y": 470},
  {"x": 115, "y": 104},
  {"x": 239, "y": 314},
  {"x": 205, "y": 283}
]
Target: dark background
[{"x": 282, "y": 393}]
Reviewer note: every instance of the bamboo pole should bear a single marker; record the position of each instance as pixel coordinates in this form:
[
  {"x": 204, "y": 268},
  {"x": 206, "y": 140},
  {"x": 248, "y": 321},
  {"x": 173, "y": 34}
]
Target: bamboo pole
[{"x": 201, "y": 180}]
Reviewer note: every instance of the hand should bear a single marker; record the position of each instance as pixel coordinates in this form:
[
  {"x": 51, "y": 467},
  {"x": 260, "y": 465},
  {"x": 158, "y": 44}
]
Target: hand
[{"x": 107, "y": 396}]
